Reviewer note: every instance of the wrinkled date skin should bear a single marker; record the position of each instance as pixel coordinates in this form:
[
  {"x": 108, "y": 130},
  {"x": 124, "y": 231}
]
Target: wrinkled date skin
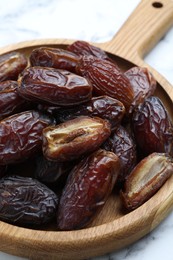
[
  {"x": 143, "y": 83},
  {"x": 122, "y": 144},
  {"x": 26, "y": 202},
  {"x": 11, "y": 65},
  {"x": 54, "y": 58},
  {"x": 104, "y": 107},
  {"x": 146, "y": 179},
  {"x": 10, "y": 101},
  {"x": 88, "y": 186},
  {"x": 74, "y": 138},
  {"x": 21, "y": 136},
  {"x": 49, "y": 172},
  {"x": 106, "y": 79},
  {"x": 152, "y": 127},
  {"x": 83, "y": 48},
  {"x": 53, "y": 86}
]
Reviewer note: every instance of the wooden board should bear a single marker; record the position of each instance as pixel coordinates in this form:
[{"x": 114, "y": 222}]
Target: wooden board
[{"x": 113, "y": 229}]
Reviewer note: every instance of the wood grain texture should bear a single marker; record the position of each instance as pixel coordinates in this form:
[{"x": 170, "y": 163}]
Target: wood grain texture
[{"x": 113, "y": 228}]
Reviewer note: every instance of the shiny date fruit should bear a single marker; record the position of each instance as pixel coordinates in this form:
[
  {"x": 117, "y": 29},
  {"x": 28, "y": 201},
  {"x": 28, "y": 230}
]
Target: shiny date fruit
[
  {"x": 87, "y": 189},
  {"x": 21, "y": 135},
  {"x": 11, "y": 65},
  {"x": 53, "y": 86},
  {"x": 54, "y": 58},
  {"x": 10, "y": 101},
  {"x": 49, "y": 172},
  {"x": 152, "y": 127},
  {"x": 103, "y": 106},
  {"x": 84, "y": 48},
  {"x": 26, "y": 202},
  {"x": 74, "y": 138},
  {"x": 146, "y": 179},
  {"x": 122, "y": 144},
  {"x": 143, "y": 83},
  {"x": 106, "y": 79}
]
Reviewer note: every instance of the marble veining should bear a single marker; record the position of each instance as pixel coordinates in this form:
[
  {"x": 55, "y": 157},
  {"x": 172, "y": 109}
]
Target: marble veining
[{"x": 96, "y": 21}]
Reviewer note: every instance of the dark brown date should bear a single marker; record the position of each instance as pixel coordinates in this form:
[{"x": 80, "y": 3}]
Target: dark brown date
[
  {"x": 84, "y": 48},
  {"x": 54, "y": 58},
  {"x": 152, "y": 127},
  {"x": 74, "y": 138},
  {"x": 21, "y": 136},
  {"x": 49, "y": 172},
  {"x": 106, "y": 79},
  {"x": 10, "y": 101},
  {"x": 104, "y": 107},
  {"x": 53, "y": 86},
  {"x": 11, "y": 65},
  {"x": 122, "y": 144},
  {"x": 26, "y": 202},
  {"x": 88, "y": 186},
  {"x": 146, "y": 179},
  {"x": 143, "y": 83}
]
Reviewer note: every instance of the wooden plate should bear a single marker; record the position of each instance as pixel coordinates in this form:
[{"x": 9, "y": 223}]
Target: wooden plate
[{"x": 112, "y": 229}]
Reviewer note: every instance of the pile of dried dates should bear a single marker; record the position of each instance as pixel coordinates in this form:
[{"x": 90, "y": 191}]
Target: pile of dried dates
[{"x": 86, "y": 127}]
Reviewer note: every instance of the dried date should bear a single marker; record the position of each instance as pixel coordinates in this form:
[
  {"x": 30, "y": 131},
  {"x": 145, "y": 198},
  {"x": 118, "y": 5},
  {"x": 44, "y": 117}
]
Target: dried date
[
  {"x": 74, "y": 138},
  {"x": 152, "y": 127},
  {"x": 11, "y": 65},
  {"x": 83, "y": 48},
  {"x": 10, "y": 101},
  {"x": 53, "y": 86},
  {"x": 26, "y": 202},
  {"x": 106, "y": 79},
  {"x": 54, "y": 58},
  {"x": 146, "y": 179},
  {"x": 88, "y": 186},
  {"x": 103, "y": 106},
  {"x": 143, "y": 83},
  {"x": 122, "y": 144},
  {"x": 21, "y": 135}
]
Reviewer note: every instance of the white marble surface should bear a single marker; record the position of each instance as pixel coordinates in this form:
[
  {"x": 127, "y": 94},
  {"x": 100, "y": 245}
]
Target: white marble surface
[{"x": 93, "y": 20}]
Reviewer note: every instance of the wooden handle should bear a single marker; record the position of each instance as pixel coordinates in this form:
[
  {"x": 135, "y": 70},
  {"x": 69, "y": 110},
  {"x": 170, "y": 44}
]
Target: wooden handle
[{"x": 142, "y": 30}]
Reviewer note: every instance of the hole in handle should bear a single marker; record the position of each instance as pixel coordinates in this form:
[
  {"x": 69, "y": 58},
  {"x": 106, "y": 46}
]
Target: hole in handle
[{"x": 157, "y": 4}]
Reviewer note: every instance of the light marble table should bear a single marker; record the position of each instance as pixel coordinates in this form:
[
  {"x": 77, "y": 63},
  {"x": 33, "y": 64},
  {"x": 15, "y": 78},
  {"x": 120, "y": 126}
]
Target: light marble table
[{"x": 96, "y": 21}]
